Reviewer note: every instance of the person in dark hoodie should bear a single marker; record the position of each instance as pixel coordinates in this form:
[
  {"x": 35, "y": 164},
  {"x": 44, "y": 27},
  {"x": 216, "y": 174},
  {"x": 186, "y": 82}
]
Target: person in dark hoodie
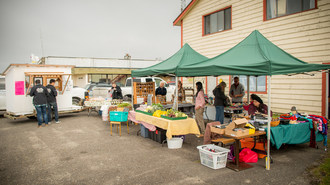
[
  {"x": 219, "y": 98},
  {"x": 51, "y": 101},
  {"x": 39, "y": 94},
  {"x": 116, "y": 91}
]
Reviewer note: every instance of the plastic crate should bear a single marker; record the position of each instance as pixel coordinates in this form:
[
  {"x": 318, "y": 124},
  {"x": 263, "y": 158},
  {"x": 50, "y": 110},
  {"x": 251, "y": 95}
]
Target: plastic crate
[
  {"x": 144, "y": 131},
  {"x": 214, "y": 160},
  {"x": 160, "y": 135},
  {"x": 118, "y": 116}
]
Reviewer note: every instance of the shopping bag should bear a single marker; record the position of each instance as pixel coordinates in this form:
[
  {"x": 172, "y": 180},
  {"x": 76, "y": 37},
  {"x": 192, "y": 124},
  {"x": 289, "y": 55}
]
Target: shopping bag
[
  {"x": 248, "y": 156},
  {"x": 230, "y": 155}
]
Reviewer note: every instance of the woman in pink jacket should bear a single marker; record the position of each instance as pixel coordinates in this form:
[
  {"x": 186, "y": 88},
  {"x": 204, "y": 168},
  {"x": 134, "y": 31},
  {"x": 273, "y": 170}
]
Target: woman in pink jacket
[{"x": 199, "y": 107}]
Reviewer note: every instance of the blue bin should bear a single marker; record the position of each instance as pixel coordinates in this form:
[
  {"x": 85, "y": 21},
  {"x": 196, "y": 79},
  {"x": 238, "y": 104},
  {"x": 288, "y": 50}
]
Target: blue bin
[
  {"x": 118, "y": 116},
  {"x": 144, "y": 131}
]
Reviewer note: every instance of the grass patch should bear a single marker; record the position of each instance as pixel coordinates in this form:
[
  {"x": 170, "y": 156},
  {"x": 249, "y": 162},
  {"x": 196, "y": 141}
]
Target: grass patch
[{"x": 321, "y": 173}]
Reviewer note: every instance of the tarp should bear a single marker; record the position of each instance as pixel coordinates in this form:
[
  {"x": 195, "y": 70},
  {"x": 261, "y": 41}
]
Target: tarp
[
  {"x": 255, "y": 55},
  {"x": 186, "y": 56}
]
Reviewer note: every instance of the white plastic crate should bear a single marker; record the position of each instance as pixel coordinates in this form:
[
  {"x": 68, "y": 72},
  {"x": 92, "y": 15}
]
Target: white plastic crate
[{"x": 214, "y": 160}]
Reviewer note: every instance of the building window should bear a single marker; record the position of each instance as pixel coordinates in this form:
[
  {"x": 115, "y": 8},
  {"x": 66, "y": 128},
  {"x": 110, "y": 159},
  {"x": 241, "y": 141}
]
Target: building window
[
  {"x": 217, "y": 21},
  {"x": 257, "y": 84},
  {"x": 278, "y": 8}
]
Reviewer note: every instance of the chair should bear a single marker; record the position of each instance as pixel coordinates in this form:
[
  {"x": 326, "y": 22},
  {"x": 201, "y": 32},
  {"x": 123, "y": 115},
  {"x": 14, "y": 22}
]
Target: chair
[{"x": 116, "y": 118}]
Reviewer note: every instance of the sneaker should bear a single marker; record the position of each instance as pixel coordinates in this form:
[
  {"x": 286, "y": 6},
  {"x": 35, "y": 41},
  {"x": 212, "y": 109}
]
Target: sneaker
[
  {"x": 58, "y": 122},
  {"x": 39, "y": 126}
]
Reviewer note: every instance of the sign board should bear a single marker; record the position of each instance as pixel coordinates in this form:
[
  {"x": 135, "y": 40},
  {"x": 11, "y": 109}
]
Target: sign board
[{"x": 19, "y": 87}]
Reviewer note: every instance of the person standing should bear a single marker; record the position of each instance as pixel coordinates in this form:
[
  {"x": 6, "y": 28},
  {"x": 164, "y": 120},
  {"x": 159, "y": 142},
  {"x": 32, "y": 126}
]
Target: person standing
[
  {"x": 51, "y": 101},
  {"x": 181, "y": 93},
  {"x": 219, "y": 98},
  {"x": 39, "y": 94},
  {"x": 161, "y": 90},
  {"x": 236, "y": 91},
  {"x": 199, "y": 107},
  {"x": 116, "y": 91}
]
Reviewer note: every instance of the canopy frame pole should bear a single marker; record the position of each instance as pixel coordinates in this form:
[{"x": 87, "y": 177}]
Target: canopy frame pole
[
  {"x": 176, "y": 103},
  {"x": 248, "y": 89},
  {"x": 132, "y": 97},
  {"x": 268, "y": 125}
]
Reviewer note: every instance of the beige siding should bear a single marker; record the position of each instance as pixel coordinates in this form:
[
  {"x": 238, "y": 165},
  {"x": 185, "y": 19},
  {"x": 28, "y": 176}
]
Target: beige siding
[{"x": 304, "y": 35}]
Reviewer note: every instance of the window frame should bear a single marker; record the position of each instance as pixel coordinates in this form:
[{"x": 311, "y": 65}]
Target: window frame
[
  {"x": 251, "y": 92},
  {"x": 222, "y": 9},
  {"x": 265, "y": 11}
]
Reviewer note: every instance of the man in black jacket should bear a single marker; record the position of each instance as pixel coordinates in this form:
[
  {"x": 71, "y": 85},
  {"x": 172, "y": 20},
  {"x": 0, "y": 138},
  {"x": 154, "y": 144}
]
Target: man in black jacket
[
  {"x": 161, "y": 90},
  {"x": 40, "y": 94},
  {"x": 116, "y": 91},
  {"x": 52, "y": 101}
]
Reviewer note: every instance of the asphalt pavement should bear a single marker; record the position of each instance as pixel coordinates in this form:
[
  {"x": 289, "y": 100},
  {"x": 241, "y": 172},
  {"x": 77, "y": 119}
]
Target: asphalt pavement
[{"x": 80, "y": 150}]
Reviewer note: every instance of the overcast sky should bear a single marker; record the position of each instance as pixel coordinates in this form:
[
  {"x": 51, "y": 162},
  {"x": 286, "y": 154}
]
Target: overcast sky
[{"x": 87, "y": 28}]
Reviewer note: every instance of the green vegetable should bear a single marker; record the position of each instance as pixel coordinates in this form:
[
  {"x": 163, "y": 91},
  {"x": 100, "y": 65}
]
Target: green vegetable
[{"x": 124, "y": 105}]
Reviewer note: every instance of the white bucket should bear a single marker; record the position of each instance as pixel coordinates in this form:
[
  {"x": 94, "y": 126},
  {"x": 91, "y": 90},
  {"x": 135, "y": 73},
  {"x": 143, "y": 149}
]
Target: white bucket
[
  {"x": 175, "y": 142},
  {"x": 105, "y": 117}
]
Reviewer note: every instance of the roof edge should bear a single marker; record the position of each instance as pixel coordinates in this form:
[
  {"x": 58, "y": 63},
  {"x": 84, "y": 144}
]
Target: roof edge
[
  {"x": 177, "y": 21},
  {"x": 35, "y": 65}
]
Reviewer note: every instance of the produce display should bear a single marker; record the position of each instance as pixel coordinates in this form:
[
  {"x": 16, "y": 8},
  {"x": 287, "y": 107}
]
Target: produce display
[
  {"x": 236, "y": 105},
  {"x": 158, "y": 110},
  {"x": 154, "y": 108},
  {"x": 124, "y": 105},
  {"x": 175, "y": 114}
]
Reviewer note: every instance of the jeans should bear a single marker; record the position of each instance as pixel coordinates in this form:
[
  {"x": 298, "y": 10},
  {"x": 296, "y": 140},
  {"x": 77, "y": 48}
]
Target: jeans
[
  {"x": 219, "y": 114},
  {"x": 41, "y": 114},
  {"x": 50, "y": 106}
]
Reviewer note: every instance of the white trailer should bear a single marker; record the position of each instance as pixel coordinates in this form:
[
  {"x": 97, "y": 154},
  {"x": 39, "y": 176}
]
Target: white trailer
[{"x": 20, "y": 78}]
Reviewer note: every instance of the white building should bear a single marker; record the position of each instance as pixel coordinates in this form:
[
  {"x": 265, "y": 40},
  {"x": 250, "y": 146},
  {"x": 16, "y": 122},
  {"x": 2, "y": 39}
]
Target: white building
[{"x": 97, "y": 70}]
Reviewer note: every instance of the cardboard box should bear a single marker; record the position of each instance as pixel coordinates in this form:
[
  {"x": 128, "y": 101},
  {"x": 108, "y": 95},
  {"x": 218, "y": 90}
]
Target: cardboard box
[
  {"x": 220, "y": 131},
  {"x": 238, "y": 123}
]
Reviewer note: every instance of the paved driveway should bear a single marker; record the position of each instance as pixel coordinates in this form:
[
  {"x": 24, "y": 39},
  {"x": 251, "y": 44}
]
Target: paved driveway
[{"x": 80, "y": 150}]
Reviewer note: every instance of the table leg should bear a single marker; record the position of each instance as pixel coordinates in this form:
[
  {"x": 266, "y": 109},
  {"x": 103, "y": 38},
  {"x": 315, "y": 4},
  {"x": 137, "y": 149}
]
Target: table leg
[
  {"x": 237, "y": 166},
  {"x": 236, "y": 153},
  {"x": 89, "y": 110}
]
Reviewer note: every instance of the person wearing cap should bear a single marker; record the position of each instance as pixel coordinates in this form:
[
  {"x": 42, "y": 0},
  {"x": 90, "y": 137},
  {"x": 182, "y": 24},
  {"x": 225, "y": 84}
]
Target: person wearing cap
[
  {"x": 236, "y": 91},
  {"x": 257, "y": 106}
]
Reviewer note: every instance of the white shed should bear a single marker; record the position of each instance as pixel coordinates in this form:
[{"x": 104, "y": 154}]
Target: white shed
[{"x": 21, "y": 77}]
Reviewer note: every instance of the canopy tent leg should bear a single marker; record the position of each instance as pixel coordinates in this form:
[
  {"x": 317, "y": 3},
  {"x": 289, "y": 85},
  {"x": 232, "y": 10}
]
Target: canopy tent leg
[
  {"x": 175, "y": 101},
  {"x": 132, "y": 97},
  {"x": 248, "y": 89},
  {"x": 268, "y": 125}
]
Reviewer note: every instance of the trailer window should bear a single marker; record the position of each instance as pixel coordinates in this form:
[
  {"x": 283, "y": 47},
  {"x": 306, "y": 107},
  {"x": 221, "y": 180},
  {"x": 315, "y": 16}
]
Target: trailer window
[
  {"x": 2, "y": 84},
  {"x": 58, "y": 83}
]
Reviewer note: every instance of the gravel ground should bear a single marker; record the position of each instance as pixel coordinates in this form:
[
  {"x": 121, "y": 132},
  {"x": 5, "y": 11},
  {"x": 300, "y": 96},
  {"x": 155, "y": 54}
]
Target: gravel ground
[{"x": 80, "y": 150}]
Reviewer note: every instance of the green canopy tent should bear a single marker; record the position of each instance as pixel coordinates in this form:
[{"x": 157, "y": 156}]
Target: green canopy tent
[
  {"x": 186, "y": 56},
  {"x": 255, "y": 55}
]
